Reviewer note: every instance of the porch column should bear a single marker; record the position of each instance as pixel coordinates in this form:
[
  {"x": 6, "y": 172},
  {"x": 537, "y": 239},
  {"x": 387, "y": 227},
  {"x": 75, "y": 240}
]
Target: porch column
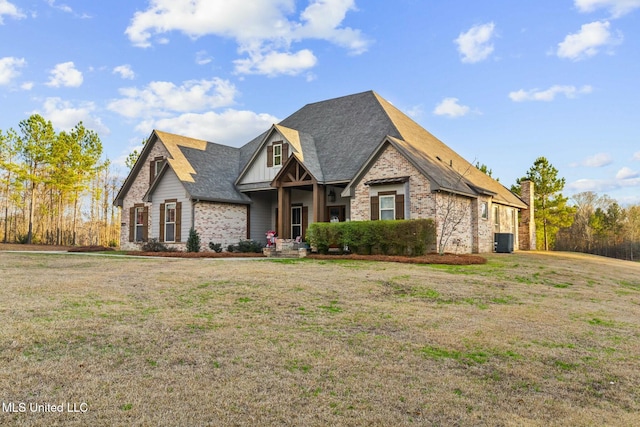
[
  {"x": 319, "y": 202},
  {"x": 284, "y": 213}
]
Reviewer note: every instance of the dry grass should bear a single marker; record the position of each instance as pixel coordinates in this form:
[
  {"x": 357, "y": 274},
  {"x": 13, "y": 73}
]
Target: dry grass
[{"x": 526, "y": 339}]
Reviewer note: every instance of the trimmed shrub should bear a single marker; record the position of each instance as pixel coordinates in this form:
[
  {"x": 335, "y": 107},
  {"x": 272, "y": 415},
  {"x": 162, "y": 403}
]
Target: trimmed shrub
[
  {"x": 245, "y": 246},
  {"x": 154, "y": 245},
  {"x": 399, "y": 237},
  {"x": 193, "y": 242},
  {"x": 216, "y": 247}
]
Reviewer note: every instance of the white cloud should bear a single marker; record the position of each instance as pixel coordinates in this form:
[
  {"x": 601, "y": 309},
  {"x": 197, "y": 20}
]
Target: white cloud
[
  {"x": 26, "y": 86},
  {"x": 9, "y": 66},
  {"x": 231, "y": 127},
  {"x": 265, "y": 31},
  {"x": 9, "y": 9},
  {"x": 598, "y": 160},
  {"x": 617, "y": 8},
  {"x": 475, "y": 44},
  {"x": 62, "y": 7},
  {"x": 627, "y": 173},
  {"x": 164, "y": 98},
  {"x": 588, "y": 41},
  {"x": 636, "y": 156},
  {"x": 64, "y": 115},
  {"x": 548, "y": 94},
  {"x": 202, "y": 58},
  {"x": 451, "y": 108},
  {"x": 65, "y": 74},
  {"x": 275, "y": 63},
  {"x": 124, "y": 71}
]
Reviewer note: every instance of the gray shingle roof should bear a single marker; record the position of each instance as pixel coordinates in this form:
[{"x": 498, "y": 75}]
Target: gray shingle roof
[
  {"x": 345, "y": 130},
  {"x": 216, "y": 166},
  {"x": 336, "y": 137}
]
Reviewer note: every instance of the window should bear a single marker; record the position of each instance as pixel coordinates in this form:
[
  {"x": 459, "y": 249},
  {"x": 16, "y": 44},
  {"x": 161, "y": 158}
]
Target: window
[
  {"x": 496, "y": 219},
  {"x": 388, "y": 207},
  {"x": 154, "y": 168},
  {"x": 157, "y": 166},
  {"x": 484, "y": 210},
  {"x": 140, "y": 224},
  {"x": 170, "y": 222},
  {"x": 277, "y": 154}
]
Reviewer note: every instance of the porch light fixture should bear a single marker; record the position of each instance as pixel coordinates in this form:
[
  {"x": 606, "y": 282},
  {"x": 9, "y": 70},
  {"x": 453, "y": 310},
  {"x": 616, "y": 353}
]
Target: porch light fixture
[{"x": 332, "y": 196}]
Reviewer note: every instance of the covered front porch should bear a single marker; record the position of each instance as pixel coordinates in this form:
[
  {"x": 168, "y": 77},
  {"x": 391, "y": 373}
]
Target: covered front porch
[{"x": 302, "y": 200}]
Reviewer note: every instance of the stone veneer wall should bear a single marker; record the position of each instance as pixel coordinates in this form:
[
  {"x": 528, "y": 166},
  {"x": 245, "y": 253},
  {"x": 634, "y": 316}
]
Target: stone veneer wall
[
  {"x": 222, "y": 223},
  {"x": 135, "y": 194}
]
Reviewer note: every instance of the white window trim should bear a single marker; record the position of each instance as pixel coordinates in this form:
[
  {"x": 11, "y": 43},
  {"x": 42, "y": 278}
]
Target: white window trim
[
  {"x": 157, "y": 166},
  {"x": 277, "y": 157},
  {"x": 484, "y": 211},
  {"x": 496, "y": 218},
  {"x": 167, "y": 206},
  {"x": 393, "y": 205}
]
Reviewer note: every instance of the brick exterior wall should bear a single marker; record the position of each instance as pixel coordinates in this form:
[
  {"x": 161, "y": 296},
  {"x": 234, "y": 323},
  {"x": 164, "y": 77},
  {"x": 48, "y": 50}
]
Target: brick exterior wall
[
  {"x": 454, "y": 219},
  {"x": 392, "y": 164},
  {"x": 527, "y": 227},
  {"x": 220, "y": 223},
  {"x": 473, "y": 234},
  {"x": 135, "y": 194}
]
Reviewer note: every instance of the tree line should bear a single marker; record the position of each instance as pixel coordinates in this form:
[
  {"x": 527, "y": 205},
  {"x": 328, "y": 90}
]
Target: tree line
[
  {"x": 55, "y": 187},
  {"x": 585, "y": 222}
]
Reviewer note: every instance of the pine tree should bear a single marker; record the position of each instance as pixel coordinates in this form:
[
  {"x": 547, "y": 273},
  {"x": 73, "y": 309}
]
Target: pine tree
[
  {"x": 193, "y": 242},
  {"x": 551, "y": 209}
]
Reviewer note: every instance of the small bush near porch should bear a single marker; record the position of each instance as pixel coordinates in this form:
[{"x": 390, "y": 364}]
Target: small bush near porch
[{"x": 400, "y": 237}]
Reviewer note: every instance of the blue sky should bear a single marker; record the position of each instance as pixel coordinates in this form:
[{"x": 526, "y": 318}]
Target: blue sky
[{"x": 502, "y": 82}]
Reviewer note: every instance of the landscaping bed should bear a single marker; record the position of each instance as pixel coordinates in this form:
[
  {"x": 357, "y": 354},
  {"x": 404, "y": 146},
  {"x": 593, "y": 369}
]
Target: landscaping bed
[
  {"x": 176, "y": 254},
  {"x": 448, "y": 259}
]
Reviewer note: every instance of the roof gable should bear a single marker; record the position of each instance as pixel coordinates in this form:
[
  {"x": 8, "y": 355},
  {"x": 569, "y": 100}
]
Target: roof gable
[{"x": 179, "y": 163}]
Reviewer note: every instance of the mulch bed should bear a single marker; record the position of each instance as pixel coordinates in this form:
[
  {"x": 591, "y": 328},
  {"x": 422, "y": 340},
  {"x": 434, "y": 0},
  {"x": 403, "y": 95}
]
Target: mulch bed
[
  {"x": 198, "y": 254},
  {"x": 32, "y": 247},
  {"x": 93, "y": 248},
  {"x": 448, "y": 259}
]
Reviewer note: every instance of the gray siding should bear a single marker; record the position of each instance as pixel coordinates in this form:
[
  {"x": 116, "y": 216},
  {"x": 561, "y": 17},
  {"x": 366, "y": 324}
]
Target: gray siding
[
  {"x": 262, "y": 214},
  {"x": 170, "y": 187}
]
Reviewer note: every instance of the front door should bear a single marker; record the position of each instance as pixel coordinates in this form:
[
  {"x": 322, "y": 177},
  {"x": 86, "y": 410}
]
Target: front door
[{"x": 296, "y": 222}]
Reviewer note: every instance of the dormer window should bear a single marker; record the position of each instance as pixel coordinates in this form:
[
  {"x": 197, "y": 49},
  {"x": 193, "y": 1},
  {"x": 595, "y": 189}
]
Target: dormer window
[
  {"x": 154, "y": 168},
  {"x": 277, "y": 154}
]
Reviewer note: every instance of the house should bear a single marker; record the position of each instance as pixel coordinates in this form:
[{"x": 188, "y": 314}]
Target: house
[{"x": 355, "y": 157}]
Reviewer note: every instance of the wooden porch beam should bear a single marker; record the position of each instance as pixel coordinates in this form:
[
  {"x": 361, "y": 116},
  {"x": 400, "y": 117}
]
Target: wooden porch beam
[{"x": 319, "y": 202}]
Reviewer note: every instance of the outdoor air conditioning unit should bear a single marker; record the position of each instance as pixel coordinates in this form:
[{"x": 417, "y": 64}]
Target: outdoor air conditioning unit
[{"x": 504, "y": 242}]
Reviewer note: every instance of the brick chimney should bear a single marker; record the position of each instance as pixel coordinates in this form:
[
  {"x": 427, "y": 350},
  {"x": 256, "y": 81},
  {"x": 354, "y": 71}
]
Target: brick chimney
[{"x": 527, "y": 226}]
